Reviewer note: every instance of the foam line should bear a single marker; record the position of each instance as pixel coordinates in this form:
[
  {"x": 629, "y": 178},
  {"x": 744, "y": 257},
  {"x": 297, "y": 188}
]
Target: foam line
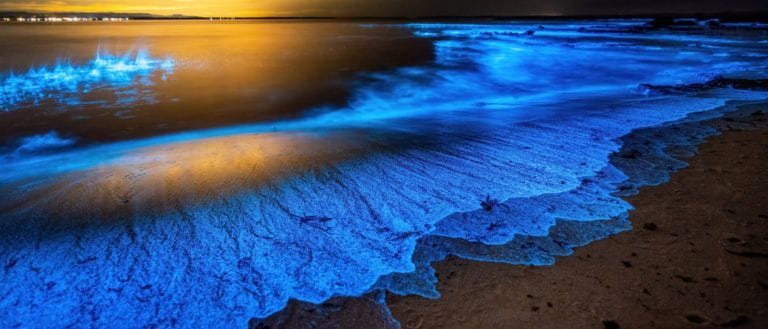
[{"x": 528, "y": 120}]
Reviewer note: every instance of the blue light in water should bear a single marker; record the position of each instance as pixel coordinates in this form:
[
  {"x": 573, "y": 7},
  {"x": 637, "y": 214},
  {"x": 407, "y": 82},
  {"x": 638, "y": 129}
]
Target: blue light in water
[
  {"x": 42, "y": 142},
  {"x": 528, "y": 120},
  {"x": 67, "y": 84}
]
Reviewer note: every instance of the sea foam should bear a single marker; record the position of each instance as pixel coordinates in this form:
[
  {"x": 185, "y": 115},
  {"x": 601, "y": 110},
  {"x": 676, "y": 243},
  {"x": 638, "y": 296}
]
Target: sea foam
[{"x": 530, "y": 119}]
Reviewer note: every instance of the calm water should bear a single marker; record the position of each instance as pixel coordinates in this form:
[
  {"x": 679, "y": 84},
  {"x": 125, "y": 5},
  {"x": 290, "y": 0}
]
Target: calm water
[
  {"x": 224, "y": 73},
  {"x": 203, "y": 173}
]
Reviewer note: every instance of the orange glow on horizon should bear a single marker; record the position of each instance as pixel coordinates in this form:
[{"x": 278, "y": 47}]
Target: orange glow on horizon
[{"x": 203, "y": 8}]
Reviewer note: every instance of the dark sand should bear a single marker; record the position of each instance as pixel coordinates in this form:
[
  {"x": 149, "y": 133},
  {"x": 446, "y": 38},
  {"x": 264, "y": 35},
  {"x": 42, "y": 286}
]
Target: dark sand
[{"x": 696, "y": 257}]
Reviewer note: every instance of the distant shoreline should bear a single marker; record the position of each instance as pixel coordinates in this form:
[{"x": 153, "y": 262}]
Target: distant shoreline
[{"x": 725, "y": 17}]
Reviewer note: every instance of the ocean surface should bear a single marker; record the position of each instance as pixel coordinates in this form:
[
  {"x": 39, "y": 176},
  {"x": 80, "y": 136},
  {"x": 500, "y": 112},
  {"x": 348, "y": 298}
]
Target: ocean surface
[{"x": 199, "y": 174}]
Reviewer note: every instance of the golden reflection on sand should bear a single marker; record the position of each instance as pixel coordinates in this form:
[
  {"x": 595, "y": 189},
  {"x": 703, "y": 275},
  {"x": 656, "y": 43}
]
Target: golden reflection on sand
[{"x": 168, "y": 176}]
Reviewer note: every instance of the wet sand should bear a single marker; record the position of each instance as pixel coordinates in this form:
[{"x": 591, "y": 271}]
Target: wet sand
[{"x": 696, "y": 257}]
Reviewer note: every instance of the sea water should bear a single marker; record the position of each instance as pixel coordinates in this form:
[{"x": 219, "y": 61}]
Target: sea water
[{"x": 202, "y": 173}]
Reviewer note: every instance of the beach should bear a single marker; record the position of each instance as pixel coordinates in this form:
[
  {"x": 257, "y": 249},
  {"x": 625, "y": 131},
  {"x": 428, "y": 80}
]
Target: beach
[
  {"x": 695, "y": 257},
  {"x": 211, "y": 174}
]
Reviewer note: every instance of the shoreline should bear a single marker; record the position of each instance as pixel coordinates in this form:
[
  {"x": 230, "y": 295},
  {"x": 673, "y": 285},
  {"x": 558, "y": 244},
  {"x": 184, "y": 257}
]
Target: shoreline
[
  {"x": 729, "y": 16},
  {"x": 695, "y": 257},
  {"x": 490, "y": 286},
  {"x": 358, "y": 168}
]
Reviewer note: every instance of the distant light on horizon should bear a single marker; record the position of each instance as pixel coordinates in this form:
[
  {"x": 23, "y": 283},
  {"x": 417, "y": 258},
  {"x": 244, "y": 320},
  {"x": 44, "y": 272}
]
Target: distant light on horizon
[
  {"x": 385, "y": 8},
  {"x": 69, "y": 19}
]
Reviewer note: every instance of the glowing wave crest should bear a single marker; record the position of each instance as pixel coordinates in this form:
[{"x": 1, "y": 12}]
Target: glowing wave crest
[
  {"x": 488, "y": 154},
  {"x": 69, "y": 84}
]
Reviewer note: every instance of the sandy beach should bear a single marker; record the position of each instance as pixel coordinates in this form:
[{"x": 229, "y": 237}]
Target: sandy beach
[
  {"x": 696, "y": 257},
  {"x": 383, "y": 173}
]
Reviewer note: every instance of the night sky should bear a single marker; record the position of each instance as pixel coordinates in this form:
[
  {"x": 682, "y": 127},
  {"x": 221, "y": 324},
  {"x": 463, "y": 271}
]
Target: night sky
[{"x": 390, "y": 7}]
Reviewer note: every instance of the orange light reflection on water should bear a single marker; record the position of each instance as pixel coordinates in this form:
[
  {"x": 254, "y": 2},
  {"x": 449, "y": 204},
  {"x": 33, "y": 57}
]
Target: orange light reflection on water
[{"x": 167, "y": 176}]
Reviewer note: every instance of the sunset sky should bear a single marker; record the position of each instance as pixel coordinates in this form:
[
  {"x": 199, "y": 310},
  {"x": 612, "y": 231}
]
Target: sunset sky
[{"x": 385, "y": 7}]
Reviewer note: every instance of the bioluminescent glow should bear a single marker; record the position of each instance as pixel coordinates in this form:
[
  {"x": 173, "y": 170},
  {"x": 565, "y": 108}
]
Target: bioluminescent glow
[
  {"x": 42, "y": 142},
  {"x": 211, "y": 227},
  {"x": 69, "y": 85}
]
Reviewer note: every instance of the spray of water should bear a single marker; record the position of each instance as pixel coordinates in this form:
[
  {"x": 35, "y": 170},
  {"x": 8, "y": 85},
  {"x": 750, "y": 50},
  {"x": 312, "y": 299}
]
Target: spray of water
[{"x": 69, "y": 84}]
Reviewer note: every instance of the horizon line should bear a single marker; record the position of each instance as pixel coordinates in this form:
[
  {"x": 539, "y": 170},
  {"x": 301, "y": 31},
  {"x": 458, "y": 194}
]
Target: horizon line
[{"x": 140, "y": 15}]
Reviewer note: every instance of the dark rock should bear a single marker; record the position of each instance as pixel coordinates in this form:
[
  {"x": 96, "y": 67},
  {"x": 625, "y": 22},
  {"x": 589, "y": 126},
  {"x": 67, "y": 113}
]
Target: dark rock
[
  {"x": 610, "y": 324},
  {"x": 650, "y": 226}
]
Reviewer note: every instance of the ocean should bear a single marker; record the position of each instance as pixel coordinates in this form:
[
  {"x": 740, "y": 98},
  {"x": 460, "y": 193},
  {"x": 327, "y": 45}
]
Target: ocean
[{"x": 202, "y": 173}]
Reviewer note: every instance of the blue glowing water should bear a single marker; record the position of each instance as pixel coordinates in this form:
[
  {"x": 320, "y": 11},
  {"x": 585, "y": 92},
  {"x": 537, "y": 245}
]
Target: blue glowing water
[
  {"x": 208, "y": 228},
  {"x": 69, "y": 85}
]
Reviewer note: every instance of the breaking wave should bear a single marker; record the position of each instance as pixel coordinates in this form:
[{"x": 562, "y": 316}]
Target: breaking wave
[
  {"x": 505, "y": 134},
  {"x": 69, "y": 85}
]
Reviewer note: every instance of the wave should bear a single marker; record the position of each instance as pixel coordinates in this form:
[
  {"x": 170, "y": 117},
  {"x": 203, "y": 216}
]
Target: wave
[
  {"x": 68, "y": 85},
  {"x": 506, "y": 134}
]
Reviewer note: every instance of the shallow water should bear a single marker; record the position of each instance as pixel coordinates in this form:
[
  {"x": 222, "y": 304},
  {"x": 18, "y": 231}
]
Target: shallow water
[
  {"x": 222, "y": 73},
  {"x": 232, "y": 166}
]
